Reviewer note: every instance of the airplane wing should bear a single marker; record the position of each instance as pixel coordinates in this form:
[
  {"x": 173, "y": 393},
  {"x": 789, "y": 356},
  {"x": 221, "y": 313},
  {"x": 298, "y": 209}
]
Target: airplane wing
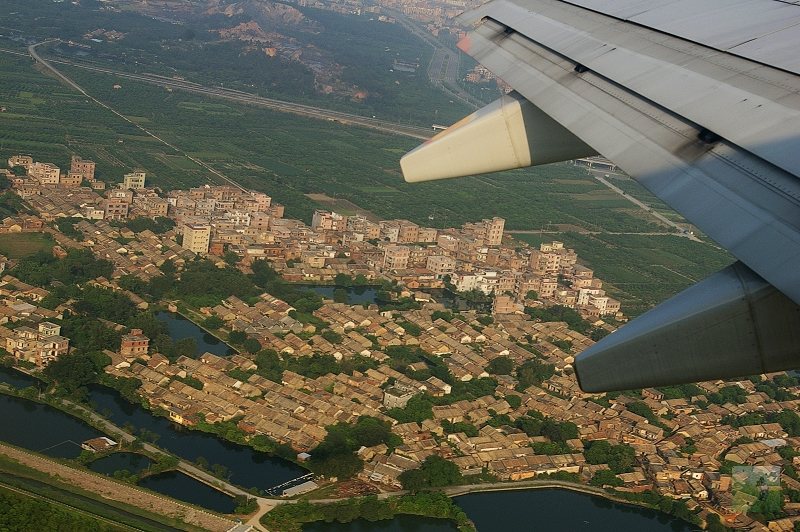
[{"x": 699, "y": 101}]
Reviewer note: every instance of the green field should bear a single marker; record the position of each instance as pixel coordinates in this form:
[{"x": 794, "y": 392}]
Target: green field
[{"x": 18, "y": 245}]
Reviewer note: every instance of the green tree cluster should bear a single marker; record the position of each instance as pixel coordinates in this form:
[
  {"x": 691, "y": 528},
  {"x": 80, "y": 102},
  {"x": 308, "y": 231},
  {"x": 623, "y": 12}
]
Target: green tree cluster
[
  {"x": 560, "y": 313},
  {"x": 435, "y": 472},
  {"x": 334, "y": 456},
  {"x": 18, "y": 512},
  {"x": 533, "y": 372},
  {"x": 78, "y": 266},
  {"x": 620, "y": 458}
]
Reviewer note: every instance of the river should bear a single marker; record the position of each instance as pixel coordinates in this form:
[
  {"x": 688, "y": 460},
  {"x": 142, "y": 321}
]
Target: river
[{"x": 180, "y": 327}]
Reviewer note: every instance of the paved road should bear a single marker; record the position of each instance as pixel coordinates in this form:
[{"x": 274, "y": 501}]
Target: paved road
[
  {"x": 444, "y": 66},
  {"x": 384, "y": 126},
  {"x": 644, "y": 206},
  {"x": 587, "y": 232}
]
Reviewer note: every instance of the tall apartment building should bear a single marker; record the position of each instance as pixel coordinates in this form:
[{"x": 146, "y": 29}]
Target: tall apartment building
[
  {"x": 40, "y": 346},
  {"x": 553, "y": 257},
  {"x": 441, "y": 265},
  {"x": 395, "y": 258},
  {"x": 488, "y": 230},
  {"x": 196, "y": 237},
  {"x": 133, "y": 181},
  {"x": 117, "y": 204},
  {"x": 84, "y": 168},
  {"x": 328, "y": 221},
  {"x": 46, "y": 173}
]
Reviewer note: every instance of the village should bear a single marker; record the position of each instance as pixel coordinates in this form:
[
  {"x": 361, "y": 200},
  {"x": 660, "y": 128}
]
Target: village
[{"x": 686, "y": 442}]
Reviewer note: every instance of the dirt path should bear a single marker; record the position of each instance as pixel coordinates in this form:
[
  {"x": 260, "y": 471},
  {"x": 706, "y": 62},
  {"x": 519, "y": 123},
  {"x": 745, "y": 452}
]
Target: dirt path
[{"x": 118, "y": 491}]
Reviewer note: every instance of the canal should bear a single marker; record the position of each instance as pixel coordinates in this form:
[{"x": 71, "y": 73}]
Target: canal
[
  {"x": 247, "y": 467},
  {"x": 180, "y": 328}
]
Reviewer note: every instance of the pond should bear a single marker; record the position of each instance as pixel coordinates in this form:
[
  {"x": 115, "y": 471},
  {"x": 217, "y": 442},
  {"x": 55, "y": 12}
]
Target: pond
[
  {"x": 131, "y": 462},
  {"x": 183, "y": 487},
  {"x": 561, "y": 510},
  {"x": 180, "y": 328},
  {"x": 42, "y": 428}
]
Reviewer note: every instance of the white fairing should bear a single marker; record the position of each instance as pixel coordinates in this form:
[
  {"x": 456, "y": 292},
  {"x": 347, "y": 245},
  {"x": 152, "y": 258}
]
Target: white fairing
[{"x": 506, "y": 134}]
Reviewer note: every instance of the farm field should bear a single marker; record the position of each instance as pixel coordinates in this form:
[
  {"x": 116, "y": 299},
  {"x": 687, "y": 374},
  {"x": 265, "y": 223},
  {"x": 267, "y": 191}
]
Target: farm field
[{"x": 18, "y": 245}]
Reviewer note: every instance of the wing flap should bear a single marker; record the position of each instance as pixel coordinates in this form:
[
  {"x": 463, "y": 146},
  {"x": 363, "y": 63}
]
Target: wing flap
[{"x": 747, "y": 205}]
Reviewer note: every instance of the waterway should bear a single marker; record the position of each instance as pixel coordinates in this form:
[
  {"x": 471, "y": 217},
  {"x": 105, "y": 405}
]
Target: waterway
[
  {"x": 356, "y": 295},
  {"x": 131, "y": 462},
  {"x": 183, "y": 487},
  {"x": 42, "y": 428},
  {"x": 180, "y": 328},
  {"x": 551, "y": 510},
  {"x": 247, "y": 467}
]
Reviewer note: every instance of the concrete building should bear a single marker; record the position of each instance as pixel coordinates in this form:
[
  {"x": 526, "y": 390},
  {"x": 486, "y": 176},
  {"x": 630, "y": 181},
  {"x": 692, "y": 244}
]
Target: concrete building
[
  {"x": 488, "y": 230},
  {"x": 40, "y": 346},
  {"x": 24, "y": 161},
  {"x": 45, "y": 173},
  {"x": 133, "y": 181},
  {"x": 328, "y": 221},
  {"x": 441, "y": 265},
  {"x": 134, "y": 344},
  {"x": 117, "y": 204},
  {"x": 84, "y": 168},
  {"x": 196, "y": 237},
  {"x": 395, "y": 258}
]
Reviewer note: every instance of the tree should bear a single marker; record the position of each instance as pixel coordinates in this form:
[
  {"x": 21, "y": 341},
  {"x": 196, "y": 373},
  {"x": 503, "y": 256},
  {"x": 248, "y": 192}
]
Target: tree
[
  {"x": 604, "y": 477},
  {"x": 251, "y": 345},
  {"x": 514, "y": 401},
  {"x": 230, "y": 258},
  {"x": 533, "y": 372},
  {"x": 342, "y": 279},
  {"x": 435, "y": 472},
  {"x": 213, "y": 322},
  {"x": 340, "y": 295},
  {"x": 237, "y": 337},
  {"x": 501, "y": 365},
  {"x": 71, "y": 371}
]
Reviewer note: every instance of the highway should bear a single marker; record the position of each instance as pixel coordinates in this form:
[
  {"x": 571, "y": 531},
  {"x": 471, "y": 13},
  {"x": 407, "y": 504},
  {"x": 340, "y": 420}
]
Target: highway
[
  {"x": 443, "y": 68},
  {"x": 416, "y": 132}
]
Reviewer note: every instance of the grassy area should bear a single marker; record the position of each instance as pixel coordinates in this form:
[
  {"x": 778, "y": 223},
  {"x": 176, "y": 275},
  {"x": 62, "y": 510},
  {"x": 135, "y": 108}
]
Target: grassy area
[
  {"x": 17, "y": 475},
  {"x": 641, "y": 271},
  {"x": 18, "y": 245}
]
